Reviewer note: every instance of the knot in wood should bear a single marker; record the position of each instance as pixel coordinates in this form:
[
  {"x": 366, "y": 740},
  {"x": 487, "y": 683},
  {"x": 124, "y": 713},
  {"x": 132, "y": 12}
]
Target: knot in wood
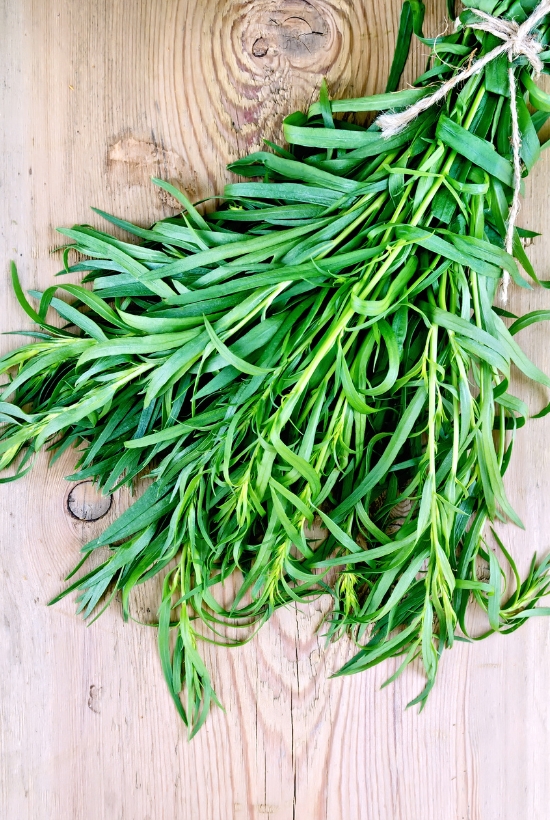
[
  {"x": 293, "y": 29},
  {"x": 86, "y": 503}
]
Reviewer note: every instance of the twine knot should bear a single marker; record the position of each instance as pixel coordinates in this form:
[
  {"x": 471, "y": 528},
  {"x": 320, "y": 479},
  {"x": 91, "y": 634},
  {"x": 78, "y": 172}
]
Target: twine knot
[{"x": 518, "y": 39}]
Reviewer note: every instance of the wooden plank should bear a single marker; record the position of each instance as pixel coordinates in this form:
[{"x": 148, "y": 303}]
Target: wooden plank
[{"x": 96, "y": 98}]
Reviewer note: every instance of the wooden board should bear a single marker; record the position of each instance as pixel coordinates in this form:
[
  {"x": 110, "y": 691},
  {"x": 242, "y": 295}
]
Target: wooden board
[{"x": 97, "y": 97}]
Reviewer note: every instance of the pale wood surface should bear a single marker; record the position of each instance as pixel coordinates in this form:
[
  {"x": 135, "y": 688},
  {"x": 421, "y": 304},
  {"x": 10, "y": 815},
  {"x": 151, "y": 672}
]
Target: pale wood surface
[{"x": 97, "y": 96}]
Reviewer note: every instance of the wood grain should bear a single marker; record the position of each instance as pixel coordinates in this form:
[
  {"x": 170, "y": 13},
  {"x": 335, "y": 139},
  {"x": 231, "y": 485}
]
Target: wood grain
[{"x": 97, "y": 97}]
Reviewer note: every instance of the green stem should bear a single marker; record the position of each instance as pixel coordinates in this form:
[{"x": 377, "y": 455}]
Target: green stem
[{"x": 432, "y": 391}]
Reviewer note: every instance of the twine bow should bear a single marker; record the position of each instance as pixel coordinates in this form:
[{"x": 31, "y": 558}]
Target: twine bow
[{"x": 518, "y": 41}]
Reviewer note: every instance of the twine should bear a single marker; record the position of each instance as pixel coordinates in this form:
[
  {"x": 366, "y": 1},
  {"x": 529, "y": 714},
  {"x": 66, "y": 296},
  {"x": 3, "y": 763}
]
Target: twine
[{"x": 518, "y": 40}]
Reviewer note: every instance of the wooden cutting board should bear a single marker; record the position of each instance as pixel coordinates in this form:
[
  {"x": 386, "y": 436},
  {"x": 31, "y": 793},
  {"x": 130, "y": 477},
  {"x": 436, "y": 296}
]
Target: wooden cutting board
[{"x": 97, "y": 96}]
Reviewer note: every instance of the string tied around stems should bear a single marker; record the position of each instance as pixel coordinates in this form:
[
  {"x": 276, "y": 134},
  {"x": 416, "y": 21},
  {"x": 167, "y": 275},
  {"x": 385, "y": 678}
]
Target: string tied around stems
[{"x": 518, "y": 40}]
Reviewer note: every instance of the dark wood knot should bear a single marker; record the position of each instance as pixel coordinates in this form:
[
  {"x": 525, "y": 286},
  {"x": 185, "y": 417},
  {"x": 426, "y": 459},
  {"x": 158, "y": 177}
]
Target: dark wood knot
[
  {"x": 86, "y": 503},
  {"x": 295, "y": 29}
]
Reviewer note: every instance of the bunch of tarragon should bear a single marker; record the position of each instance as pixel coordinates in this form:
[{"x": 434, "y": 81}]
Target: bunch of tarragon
[{"x": 321, "y": 351}]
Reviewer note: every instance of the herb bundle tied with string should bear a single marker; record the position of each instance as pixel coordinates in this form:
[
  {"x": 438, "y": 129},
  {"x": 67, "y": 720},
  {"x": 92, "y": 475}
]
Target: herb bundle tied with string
[{"x": 322, "y": 350}]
